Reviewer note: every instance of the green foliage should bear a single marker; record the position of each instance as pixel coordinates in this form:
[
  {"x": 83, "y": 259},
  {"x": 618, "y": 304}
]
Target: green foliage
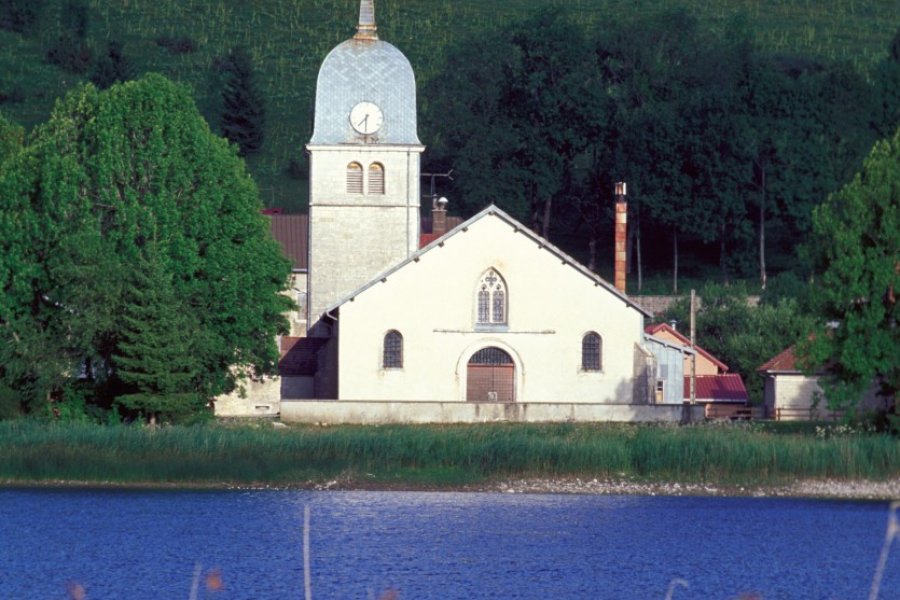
[
  {"x": 12, "y": 139},
  {"x": 435, "y": 456},
  {"x": 114, "y": 180},
  {"x": 176, "y": 408},
  {"x": 857, "y": 241},
  {"x": 741, "y": 335},
  {"x": 70, "y": 54},
  {"x": 10, "y": 403},
  {"x": 244, "y": 113},
  {"x": 156, "y": 353},
  {"x": 111, "y": 67},
  {"x": 522, "y": 107},
  {"x": 19, "y": 15}
]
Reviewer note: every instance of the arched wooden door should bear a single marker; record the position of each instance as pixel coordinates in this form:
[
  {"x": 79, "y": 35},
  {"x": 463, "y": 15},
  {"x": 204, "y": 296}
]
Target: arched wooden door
[{"x": 491, "y": 376}]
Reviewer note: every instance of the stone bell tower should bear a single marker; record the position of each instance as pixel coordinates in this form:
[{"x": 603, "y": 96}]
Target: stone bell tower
[{"x": 364, "y": 167}]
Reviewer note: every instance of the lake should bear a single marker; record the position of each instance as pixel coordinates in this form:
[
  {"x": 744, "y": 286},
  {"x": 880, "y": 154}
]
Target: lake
[{"x": 145, "y": 544}]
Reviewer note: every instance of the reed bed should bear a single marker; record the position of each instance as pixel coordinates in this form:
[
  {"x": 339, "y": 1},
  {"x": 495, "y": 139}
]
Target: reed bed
[{"x": 432, "y": 456}]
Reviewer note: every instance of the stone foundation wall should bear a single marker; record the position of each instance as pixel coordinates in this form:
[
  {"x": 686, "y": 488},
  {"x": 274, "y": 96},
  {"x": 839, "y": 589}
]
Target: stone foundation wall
[{"x": 376, "y": 412}]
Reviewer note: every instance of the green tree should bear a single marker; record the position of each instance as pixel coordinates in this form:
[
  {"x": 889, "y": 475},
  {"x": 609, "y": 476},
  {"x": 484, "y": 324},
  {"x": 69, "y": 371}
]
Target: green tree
[
  {"x": 857, "y": 238},
  {"x": 19, "y": 15},
  {"x": 111, "y": 67},
  {"x": 887, "y": 85},
  {"x": 514, "y": 112},
  {"x": 111, "y": 172},
  {"x": 155, "y": 353},
  {"x": 741, "y": 335},
  {"x": 12, "y": 139},
  {"x": 244, "y": 112}
]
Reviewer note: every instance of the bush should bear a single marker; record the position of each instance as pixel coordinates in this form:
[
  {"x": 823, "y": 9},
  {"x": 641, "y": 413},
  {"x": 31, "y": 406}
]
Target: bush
[{"x": 10, "y": 403}]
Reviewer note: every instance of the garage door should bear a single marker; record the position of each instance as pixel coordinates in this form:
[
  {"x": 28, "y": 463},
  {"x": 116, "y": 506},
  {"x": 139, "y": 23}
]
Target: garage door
[{"x": 491, "y": 377}]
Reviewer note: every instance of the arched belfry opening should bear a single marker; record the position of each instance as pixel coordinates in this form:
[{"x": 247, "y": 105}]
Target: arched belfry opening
[{"x": 491, "y": 376}]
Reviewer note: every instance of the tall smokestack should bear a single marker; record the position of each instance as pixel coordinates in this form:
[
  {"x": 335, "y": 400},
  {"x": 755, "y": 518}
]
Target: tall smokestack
[{"x": 621, "y": 235}]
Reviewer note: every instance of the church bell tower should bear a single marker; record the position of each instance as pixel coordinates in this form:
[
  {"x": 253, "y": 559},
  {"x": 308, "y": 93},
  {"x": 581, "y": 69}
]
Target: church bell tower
[{"x": 364, "y": 167}]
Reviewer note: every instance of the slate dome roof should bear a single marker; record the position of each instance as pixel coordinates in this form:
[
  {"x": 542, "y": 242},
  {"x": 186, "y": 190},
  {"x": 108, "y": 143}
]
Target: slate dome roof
[{"x": 365, "y": 68}]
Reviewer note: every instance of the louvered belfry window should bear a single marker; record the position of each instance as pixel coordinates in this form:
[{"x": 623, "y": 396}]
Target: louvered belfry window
[
  {"x": 591, "y": 347},
  {"x": 393, "y": 350},
  {"x": 376, "y": 179},
  {"x": 491, "y": 299},
  {"x": 354, "y": 178}
]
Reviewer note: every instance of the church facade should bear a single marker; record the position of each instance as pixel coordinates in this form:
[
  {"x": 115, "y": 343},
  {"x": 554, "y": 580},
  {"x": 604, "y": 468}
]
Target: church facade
[{"x": 488, "y": 321}]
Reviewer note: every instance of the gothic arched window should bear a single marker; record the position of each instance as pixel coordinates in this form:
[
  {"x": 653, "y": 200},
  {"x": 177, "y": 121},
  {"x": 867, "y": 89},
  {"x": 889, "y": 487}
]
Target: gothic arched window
[
  {"x": 591, "y": 350},
  {"x": 354, "y": 178},
  {"x": 376, "y": 178},
  {"x": 393, "y": 350},
  {"x": 491, "y": 299}
]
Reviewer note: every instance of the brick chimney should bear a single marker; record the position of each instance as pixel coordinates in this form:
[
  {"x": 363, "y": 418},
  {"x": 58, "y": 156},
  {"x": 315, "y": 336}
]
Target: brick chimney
[
  {"x": 621, "y": 236},
  {"x": 439, "y": 216}
]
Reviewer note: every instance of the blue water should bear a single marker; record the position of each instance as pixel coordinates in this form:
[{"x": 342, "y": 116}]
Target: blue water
[{"x": 145, "y": 544}]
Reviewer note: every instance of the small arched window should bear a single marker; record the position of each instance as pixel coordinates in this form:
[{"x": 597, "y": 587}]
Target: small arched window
[
  {"x": 491, "y": 299},
  {"x": 354, "y": 178},
  {"x": 376, "y": 178},
  {"x": 393, "y": 350},
  {"x": 591, "y": 350}
]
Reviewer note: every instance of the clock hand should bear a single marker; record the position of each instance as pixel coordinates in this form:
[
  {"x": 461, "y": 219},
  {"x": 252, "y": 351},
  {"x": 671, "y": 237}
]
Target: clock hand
[{"x": 364, "y": 122}]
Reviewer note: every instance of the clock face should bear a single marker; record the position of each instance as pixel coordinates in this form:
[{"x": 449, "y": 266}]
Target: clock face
[{"x": 366, "y": 118}]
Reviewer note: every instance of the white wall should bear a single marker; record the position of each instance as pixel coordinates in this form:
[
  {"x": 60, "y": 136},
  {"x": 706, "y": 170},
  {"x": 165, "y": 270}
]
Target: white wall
[
  {"x": 431, "y": 302},
  {"x": 369, "y": 412}
]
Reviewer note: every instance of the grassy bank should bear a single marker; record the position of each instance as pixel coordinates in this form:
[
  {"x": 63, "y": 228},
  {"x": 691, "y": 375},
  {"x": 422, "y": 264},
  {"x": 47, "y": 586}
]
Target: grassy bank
[{"x": 436, "y": 456}]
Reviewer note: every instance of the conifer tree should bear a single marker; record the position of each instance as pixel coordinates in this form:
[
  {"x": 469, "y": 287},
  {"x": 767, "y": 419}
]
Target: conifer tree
[
  {"x": 156, "y": 355},
  {"x": 244, "y": 114}
]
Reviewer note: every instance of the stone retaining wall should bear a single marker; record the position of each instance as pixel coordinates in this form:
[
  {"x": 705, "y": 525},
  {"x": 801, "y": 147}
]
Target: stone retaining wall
[{"x": 378, "y": 412}]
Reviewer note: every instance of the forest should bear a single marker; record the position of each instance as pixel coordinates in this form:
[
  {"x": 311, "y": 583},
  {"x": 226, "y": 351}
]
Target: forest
[
  {"x": 747, "y": 132},
  {"x": 776, "y": 103}
]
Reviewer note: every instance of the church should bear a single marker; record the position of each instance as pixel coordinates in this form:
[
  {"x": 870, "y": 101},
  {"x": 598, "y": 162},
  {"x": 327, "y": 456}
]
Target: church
[{"x": 479, "y": 320}]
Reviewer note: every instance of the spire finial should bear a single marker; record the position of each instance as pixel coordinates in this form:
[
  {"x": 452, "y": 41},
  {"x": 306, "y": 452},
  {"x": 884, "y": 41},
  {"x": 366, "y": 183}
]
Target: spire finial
[{"x": 366, "y": 30}]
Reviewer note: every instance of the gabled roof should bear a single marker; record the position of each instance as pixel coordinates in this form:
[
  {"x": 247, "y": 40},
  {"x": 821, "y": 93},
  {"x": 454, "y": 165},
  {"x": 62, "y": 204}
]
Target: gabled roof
[
  {"x": 784, "y": 362},
  {"x": 517, "y": 227},
  {"x": 686, "y": 348},
  {"x": 292, "y": 234},
  {"x": 665, "y": 327},
  {"x": 717, "y": 388}
]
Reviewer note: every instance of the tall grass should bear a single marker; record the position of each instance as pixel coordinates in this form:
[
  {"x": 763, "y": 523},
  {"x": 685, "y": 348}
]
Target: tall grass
[{"x": 437, "y": 456}]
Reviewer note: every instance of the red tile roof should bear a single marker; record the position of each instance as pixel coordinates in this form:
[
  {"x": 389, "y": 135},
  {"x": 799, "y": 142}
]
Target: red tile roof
[
  {"x": 292, "y": 233},
  {"x": 785, "y": 361},
  {"x": 717, "y": 388},
  {"x": 299, "y": 356},
  {"x": 427, "y": 238},
  {"x": 656, "y": 328}
]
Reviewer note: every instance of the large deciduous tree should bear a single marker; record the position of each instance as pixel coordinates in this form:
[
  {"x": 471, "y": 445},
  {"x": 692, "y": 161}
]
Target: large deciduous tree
[
  {"x": 124, "y": 180},
  {"x": 857, "y": 235},
  {"x": 514, "y": 111}
]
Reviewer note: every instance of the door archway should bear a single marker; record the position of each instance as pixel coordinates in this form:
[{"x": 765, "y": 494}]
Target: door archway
[{"x": 491, "y": 376}]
